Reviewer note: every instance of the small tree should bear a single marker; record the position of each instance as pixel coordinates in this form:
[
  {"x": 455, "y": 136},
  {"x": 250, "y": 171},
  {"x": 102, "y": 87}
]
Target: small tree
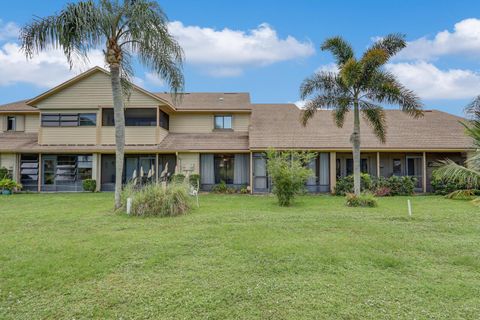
[{"x": 289, "y": 173}]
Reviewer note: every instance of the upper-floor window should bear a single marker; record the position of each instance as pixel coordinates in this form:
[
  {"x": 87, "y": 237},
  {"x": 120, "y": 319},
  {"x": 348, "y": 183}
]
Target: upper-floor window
[
  {"x": 69, "y": 120},
  {"x": 11, "y": 123},
  {"x": 223, "y": 122},
  {"x": 164, "y": 120},
  {"x": 133, "y": 117}
]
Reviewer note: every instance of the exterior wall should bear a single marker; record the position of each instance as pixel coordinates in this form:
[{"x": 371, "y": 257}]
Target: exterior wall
[
  {"x": 32, "y": 123},
  {"x": 19, "y": 122},
  {"x": 203, "y": 123},
  {"x": 68, "y": 135},
  {"x": 91, "y": 92},
  {"x": 188, "y": 162},
  {"x": 8, "y": 160},
  {"x": 134, "y": 135}
]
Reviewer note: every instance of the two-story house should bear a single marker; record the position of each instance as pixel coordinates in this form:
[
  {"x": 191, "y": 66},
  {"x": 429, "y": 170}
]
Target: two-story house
[{"x": 55, "y": 140}]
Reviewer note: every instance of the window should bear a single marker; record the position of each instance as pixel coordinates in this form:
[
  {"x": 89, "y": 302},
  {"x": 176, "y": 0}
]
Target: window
[
  {"x": 363, "y": 166},
  {"x": 223, "y": 122},
  {"x": 133, "y": 117},
  {"x": 107, "y": 117},
  {"x": 87, "y": 119},
  {"x": 29, "y": 172},
  {"x": 397, "y": 167},
  {"x": 141, "y": 117},
  {"x": 11, "y": 123},
  {"x": 69, "y": 120},
  {"x": 164, "y": 120},
  {"x": 50, "y": 120},
  {"x": 223, "y": 168}
]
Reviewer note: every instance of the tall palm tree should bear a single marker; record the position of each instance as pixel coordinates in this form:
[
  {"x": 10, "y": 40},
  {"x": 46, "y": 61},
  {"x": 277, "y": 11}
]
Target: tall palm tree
[
  {"x": 362, "y": 85},
  {"x": 468, "y": 174},
  {"x": 125, "y": 30}
]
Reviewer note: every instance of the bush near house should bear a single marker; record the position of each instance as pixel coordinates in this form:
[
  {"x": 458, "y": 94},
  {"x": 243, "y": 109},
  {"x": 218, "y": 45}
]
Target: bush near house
[
  {"x": 446, "y": 186},
  {"x": 366, "y": 199},
  {"x": 4, "y": 173},
  {"x": 89, "y": 185},
  {"x": 380, "y": 186},
  {"x": 156, "y": 200},
  {"x": 9, "y": 185},
  {"x": 288, "y": 173}
]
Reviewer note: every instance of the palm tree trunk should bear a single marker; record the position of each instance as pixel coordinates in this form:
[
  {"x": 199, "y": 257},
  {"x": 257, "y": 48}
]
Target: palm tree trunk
[
  {"x": 119, "y": 118},
  {"x": 355, "y": 139}
]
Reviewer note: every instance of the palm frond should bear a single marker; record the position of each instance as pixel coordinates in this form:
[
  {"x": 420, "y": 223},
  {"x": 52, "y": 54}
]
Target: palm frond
[
  {"x": 473, "y": 109},
  {"x": 323, "y": 102},
  {"x": 382, "y": 87},
  {"x": 341, "y": 50},
  {"x": 75, "y": 30},
  {"x": 391, "y": 44},
  {"x": 375, "y": 115},
  {"x": 146, "y": 35},
  {"x": 323, "y": 82},
  {"x": 451, "y": 171},
  {"x": 472, "y": 129}
]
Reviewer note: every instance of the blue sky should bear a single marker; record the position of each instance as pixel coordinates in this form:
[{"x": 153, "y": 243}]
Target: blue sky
[{"x": 268, "y": 47}]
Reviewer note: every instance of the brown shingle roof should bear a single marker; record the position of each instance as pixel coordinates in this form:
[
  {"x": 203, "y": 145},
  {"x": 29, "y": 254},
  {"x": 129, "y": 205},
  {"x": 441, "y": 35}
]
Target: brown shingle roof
[
  {"x": 18, "y": 106},
  {"x": 198, "y": 101},
  {"x": 27, "y": 142},
  {"x": 205, "y": 141},
  {"x": 278, "y": 126}
]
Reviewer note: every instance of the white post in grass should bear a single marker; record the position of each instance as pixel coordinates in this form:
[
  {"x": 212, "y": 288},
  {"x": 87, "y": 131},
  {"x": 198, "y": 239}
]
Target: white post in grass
[
  {"x": 129, "y": 205},
  {"x": 409, "y": 207}
]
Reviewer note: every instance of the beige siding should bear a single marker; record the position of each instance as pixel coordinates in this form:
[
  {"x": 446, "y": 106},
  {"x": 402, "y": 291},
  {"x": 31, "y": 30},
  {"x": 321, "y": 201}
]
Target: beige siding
[
  {"x": 19, "y": 123},
  {"x": 191, "y": 123},
  {"x": 203, "y": 123},
  {"x": 241, "y": 122},
  {"x": 91, "y": 92},
  {"x": 68, "y": 135},
  {"x": 8, "y": 160},
  {"x": 133, "y": 135},
  {"x": 32, "y": 123},
  {"x": 188, "y": 162},
  {"x": 3, "y": 122}
]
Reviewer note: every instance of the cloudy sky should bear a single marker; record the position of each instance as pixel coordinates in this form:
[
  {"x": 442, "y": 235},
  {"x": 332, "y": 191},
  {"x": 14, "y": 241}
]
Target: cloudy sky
[{"x": 268, "y": 47}]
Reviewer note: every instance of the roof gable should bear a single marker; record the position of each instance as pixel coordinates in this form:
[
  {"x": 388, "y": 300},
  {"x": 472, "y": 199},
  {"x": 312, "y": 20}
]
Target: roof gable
[{"x": 95, "y": 84}]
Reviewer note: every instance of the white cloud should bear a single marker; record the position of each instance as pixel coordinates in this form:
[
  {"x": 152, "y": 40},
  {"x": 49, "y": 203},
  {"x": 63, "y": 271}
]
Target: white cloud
[
  {"x": 45, "y": 70},
  {"x": 463, "y": 40},
  {"x": 154, "y": 79},
  {"x": 227, "y": 52},
  {"x": 300, "y": 103},
  {"x": 430, "y": 82},
  {"x": 330, "y": 67},
  {"x": 8, "y": 30}
]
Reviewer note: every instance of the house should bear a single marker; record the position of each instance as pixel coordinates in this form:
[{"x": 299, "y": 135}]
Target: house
[{"x": 55, "y": 140}]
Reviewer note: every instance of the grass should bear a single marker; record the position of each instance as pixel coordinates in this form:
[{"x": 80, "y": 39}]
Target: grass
[{"x": 239, "y": 257}]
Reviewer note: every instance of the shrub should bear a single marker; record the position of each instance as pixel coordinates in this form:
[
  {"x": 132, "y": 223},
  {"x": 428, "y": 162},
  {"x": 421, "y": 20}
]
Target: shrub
[
  {"x": 178, "y": 178},
  {"x": 364, "y": 200},
  {"x": 9, "y": 184},
  {"x": 462, "y": 194},
  {"x": 4, "y": 173},
  {"x": 156, "y": 200},
  {"x": 194, "y": 179},
  {"x": 288, "y": 173},
  {"x": 345, "y": 185},
  {"x": 89, "y": 185},
  {"x": 383, "y": 192},
  {"x": 244, "y": 190},
  {"x": 446, "y": 186},
  {"x": 220, "y": 188}
]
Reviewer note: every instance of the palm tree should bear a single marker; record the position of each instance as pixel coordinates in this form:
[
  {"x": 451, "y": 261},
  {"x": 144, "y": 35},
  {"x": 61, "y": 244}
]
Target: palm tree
[
  {"x": 468, "y": 174},
  {"x": 362, "y": 85},
  {"x": 125, "y": 29}
]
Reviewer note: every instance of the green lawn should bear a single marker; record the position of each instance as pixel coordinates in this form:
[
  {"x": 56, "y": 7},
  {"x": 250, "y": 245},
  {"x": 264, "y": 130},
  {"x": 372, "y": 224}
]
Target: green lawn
[{"x": 239, "y": 257}]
